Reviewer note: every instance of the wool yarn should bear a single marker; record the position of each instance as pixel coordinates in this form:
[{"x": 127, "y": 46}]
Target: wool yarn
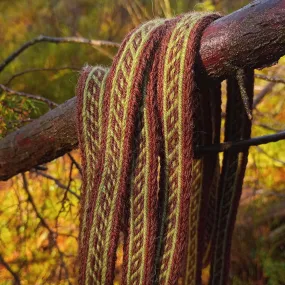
[
  {"x": 237, "y": 127},
  {"x": 138, "y": 125}
]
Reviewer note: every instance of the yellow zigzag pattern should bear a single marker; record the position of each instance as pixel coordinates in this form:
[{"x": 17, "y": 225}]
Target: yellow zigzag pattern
[
  {"x": 172, "y": 123},
  {"x": 195, "y": 203},
  {"x": 92, "y": 106},
  {"x": 114, "y": 148},
  {"x": 138, "y": 199}
]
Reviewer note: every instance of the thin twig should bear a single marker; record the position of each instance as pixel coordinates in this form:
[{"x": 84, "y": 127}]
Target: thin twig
[
  {"x": 55, "y": 40},
  {"x": 239, "y": 145},
  {"x": 268, "y": 127},
  {"x": 65, "y": 198},
  {"x": 29, "y": 120},
  {"x": 270, "y": 156},
  {"x": 77, "y": 165},
  {"x": 57, "y": 182},
  {"x": 271, "y": 79},
  {"x": 40, "y": 69},
  {"x": 52, "y": 233},
  {"x": 259, "y": 97},
  {"x": 104, "y": 52},
  {"x": 268, "y": 88},
  {"x": 32, "y": 202},
  {"x": 13, "y": 273},
  {"x": 30, "y": 96}
]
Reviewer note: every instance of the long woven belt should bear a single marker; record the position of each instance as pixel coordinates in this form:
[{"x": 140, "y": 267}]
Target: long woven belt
[
  {"x": 138, "y": 124},
  {"x": 237, "y": 127}
]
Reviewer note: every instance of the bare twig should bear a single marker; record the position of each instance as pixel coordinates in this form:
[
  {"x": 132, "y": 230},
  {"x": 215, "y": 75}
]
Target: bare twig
[
  {"x": 270, "y": 156},
  {"x": 13, "y": 273},
  {"x": 39, "y": 39},
  {"x": 104, "y": 52},
  {"x": 29, "y": 96},
  {"x": 271, "y": 79},
  {"x": 259, "y": 97},
  {"x": 77, "y": 165},
  {"x": 270, "y": 128},
  {"x": 52, "y": 233},
  {"x": 268, "y": 88},
  {"x": 40, "y": 69},
  {"x": 57, "y": 182},
  {"x": 239, "y": 145},
  {"x": 65, "y": 198},
  {"x": 32, "y": 202},
  {"x": 20, "y": 122}
]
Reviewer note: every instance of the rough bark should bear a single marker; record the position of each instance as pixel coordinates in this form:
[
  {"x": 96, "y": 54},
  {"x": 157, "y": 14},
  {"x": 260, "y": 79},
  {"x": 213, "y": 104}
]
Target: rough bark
[
  {"x": 252, "y": 37},
  {"x": 42, "y": 140}
]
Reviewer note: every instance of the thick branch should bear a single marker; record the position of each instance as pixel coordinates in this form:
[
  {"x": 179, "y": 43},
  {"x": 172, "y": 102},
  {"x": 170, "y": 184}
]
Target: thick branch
[
  {"x": 251, "y": 37},
  {"x": 46, "y": 138}
]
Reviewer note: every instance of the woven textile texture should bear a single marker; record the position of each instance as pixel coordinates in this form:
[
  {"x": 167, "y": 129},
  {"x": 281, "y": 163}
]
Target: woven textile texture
[{"x": 139, "y": 122}]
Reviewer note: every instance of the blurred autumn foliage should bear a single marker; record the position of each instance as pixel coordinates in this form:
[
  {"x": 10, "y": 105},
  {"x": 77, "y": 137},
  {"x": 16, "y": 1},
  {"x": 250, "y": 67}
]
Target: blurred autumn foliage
[{"x": 39, "y": 210}]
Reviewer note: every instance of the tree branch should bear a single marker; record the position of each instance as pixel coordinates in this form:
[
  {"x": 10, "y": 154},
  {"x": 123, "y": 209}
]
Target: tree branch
[
  {"x": 252, "y": 37},
  {"x": 249, "y": 38},
  {"x": 50, "y": 136},
  {"x": 55, "y": 40},
  {"x": 77, "y": 165}
]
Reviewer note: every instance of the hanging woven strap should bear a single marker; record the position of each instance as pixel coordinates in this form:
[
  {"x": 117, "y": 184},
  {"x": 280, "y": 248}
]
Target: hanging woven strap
[
  {"x": 121, "y": 101},
  {"x": 140, "y": 250},
  {"x": 176, "y": 86},
  {"x": 90, "y": 93},
  {"x": 212, "y": 173},
  {"x": 141, "y": 235},
  {"x": 206, "y": 131},
  {"x": 237, "y": 127},
  {"x": 138, "y": 124}
]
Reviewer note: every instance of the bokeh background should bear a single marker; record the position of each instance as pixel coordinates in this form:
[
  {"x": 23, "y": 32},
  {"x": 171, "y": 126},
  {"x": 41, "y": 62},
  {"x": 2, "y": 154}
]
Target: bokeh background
[{"x": 39, "y": 209}]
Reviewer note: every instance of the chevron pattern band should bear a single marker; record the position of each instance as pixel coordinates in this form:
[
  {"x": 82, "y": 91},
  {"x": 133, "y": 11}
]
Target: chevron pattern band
[{"x": 138, "y": 124}]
